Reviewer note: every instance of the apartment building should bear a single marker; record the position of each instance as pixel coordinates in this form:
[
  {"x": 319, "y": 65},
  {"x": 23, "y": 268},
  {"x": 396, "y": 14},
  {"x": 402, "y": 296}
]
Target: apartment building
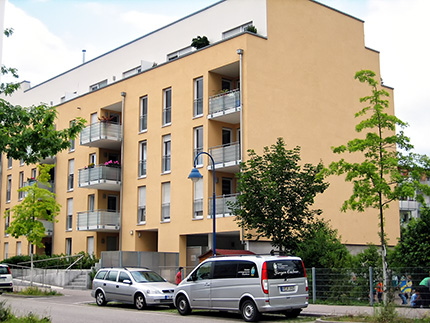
[{"x": 123, "y": 185}]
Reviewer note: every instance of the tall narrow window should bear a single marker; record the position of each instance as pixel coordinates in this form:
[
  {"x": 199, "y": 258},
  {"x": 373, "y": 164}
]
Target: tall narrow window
[
  {"x": 34, "y": 173},
  {"x": 198, "y": 199},
  {"x": 141, "y": 211},
  {"x": 198, "y": 97},
  {"x": 90, "y": 245},
  {"x": 198, "y": 145},
  {"x": 167, "y": 106},
  {"x": 143, "y": 114},
  {"x": 92, "y": 160},
  {"x": 69, "y": 219},
  {"x": 91, "y": 203},
  {"x": 72, "y": 141},
  {"x": 68, "y": 246},
  {"x": 9, "y": 162},
  {"x": 6, "y": 221},
  {"x": 142, "y": 158},
  {"x": 6, "y": 250},
  {"x": 70, "y": 178},
  {"x": 9, "y": 188},
  {"x": 165, "y": 206},
  {"x": 18, "y": 248},
  {"x": 21, "y": 184},
  {"x": 166, "y": 154}
]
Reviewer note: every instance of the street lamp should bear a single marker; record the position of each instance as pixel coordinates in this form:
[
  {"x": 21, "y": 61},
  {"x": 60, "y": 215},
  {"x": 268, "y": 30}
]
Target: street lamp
[{"x": 195, "y": 176}]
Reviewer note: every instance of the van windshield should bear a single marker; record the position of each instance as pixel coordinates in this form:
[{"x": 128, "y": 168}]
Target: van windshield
[
  {"x": 146, "y": 276},
  {"x": 283, "y": 268}
]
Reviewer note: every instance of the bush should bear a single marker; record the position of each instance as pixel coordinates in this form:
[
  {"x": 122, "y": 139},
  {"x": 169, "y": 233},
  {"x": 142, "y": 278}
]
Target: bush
[
  {"x": 200, "y": 42},
  {"x": 86, "y": 262}
]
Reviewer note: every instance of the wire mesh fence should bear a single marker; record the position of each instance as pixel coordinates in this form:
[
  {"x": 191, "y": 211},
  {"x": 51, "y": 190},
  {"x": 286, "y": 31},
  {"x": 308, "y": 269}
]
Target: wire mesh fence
[{"x": 358, "y": 286}]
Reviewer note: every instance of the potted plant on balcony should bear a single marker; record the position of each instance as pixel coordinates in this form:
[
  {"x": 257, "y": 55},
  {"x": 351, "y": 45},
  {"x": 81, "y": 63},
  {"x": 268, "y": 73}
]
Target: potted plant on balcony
[
  {"x": 111, "y": 163},
  {"x": 200, "y": 42},
  {"x": 105, "y": 119}
]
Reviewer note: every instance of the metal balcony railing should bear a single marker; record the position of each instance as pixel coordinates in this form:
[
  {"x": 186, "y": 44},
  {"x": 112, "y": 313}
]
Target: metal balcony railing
[
  {"x": 98, "y": 220},
  {"x": 99, "y": 175},
  {"x": 224, "y": 102},
  {"x": 408, "y": 205},
  {"x": 224, "y": 155},
  {"x": 100, "y": 131},
  {"x": 222, "y": 205}
]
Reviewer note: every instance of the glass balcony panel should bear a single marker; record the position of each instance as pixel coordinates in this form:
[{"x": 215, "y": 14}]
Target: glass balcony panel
[
  {"x": 98, "y": 220},
  {"x": 101, "y": 134},
  {"x": 226, "y": 154},
  {"x": 222, "y": 206},
  {"x": 102, "y": 177},
  {"x": 224, "y": 102}
]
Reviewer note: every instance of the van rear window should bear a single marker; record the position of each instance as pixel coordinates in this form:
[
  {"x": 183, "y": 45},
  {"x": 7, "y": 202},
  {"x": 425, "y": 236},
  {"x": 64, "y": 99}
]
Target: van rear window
[{"x": 283, "y": 268}]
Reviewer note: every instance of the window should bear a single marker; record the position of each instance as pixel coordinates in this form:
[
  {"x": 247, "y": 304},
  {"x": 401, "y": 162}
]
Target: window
[
  {"x": 141, "y": 210},
  {"x": 69, "y": 219},
  {"x": 198, "y": 199},
  {"x": 285, "y": 269},
  {"x": 94, "y": 118},
  {"x": 198, "y": 97},
  {"x": 123, "y": 276},
  {"x": 165, "y": 206},
  {"x": 143, "y": 126},
  {"x": 72, "y": 141},
  {"x": 9, "y": 188},
  {"x": 234, "y": 269},
  {"x": 90, "y": 245},
  {"x": 6, "y": 221},
  {"x": 9, "y": 162},
  {"x": 68, "y": 246},
  {"x": 166, "y": 167},
  {"x": 33, "y": 173},
  {"x": 21, "y": 184},
  {"x": 167, "y": 106},
  {"x": 176, "y": 54},
  {"x": 6, "y": 250},
  {"x": 18, "y": 248},
  {"x": 21, "y": 162},
  {"x": 203, "y": 272},
  {"x": 93, "y": 159},
  {"x": 91, "y": 203},
  {"x": 142, "y": 159},
  {"x": 70, "y": 178},
  {"x": 236, "y": 30},
  {"x": 112, "y": 275},
  {"x": 97, "y": 86},
  {"x": 198, "y": 145}
]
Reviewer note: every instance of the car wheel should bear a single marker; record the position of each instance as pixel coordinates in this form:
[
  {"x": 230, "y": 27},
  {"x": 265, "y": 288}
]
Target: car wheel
[
  {"x": 249, "y": 311},
  {"x": 182, "y": 305},
  {"x": 139, "y": 302},
  {"x": 100, "y": 298},
  {"x": 292, "y": 314}
]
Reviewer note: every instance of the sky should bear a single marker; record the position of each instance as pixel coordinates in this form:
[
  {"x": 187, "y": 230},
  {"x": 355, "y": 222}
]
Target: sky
[{"x": 49, "y": 36}]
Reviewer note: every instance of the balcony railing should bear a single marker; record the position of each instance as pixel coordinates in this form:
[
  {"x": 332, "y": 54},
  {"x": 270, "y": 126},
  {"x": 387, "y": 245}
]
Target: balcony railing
[
  {"x": 222, "y": 205},
  {"x": 408, "y": 205},
  {"x": 49, "y": 227},
  {"x": 98, "y": 220},
  {"x": 224, "y": 104},
  {"x": 102, "y": 135},
  {"x": 101, "y": 177},
  {"x": 226, "y": 156}
]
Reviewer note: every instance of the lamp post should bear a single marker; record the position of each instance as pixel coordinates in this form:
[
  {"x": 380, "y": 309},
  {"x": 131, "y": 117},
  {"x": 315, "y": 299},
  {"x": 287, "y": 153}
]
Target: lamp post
[{"x": 195, "y": 176}]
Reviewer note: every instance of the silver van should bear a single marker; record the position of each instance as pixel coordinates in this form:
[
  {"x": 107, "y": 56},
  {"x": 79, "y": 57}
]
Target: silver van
[{"x": 248, "y": 284}]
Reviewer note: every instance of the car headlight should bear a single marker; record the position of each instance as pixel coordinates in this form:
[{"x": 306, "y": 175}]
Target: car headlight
[{"x": 154, "y": 291}]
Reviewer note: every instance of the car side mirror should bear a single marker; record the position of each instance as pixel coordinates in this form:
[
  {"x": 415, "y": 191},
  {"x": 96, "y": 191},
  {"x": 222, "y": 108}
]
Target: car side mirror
[{"x": 127, "y": 281}]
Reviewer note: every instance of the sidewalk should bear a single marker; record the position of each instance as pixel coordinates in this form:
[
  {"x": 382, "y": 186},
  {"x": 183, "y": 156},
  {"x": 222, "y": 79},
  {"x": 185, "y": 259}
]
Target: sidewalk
[{"x": 339, "y": 310}]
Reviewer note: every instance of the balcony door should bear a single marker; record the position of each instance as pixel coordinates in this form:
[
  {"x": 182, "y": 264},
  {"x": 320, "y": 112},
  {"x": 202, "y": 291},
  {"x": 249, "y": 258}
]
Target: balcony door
[
  {"x": 94, "y": 118},
  {"x": 227, "y": 186},
  {"x": 227, "y": 136},
  {"x": 112, "y": 203}
]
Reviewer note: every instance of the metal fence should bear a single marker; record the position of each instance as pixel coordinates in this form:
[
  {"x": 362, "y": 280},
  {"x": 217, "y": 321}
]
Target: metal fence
[{"x": 349, "y": 286}]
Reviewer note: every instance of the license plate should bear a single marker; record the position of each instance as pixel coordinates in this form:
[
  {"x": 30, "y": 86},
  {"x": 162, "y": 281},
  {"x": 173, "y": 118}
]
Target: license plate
[
  {"x": 287, "y": 288},
  {"x": 168, "y": 297}
]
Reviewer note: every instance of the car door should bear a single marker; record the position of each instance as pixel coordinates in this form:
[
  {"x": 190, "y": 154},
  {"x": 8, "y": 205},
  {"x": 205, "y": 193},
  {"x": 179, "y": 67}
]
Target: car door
[
  {"x": 200, "y": 286},
  {"x": 124, "y": 288},
  {"x": 109, "y": 285}
]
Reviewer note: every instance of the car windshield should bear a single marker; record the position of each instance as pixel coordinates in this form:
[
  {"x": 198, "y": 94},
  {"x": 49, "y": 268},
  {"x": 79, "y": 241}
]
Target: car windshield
[{"x": 146, "y": 276}]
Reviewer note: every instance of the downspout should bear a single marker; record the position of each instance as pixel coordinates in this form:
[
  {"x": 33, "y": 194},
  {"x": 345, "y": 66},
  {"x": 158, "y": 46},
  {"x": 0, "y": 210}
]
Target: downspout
[
  {"x": 123, "y": 94},
  {"x": 240, "y": 53}
]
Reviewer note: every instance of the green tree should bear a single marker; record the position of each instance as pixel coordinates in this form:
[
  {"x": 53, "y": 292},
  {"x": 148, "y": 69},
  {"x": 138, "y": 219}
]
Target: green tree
[
  {"x": 39, "y": 204},
  {"x": 321, "y": 248},
  {"x": 388, "y": 170},
  {"x": 413, "y": 248},
  {"x": 276, "y": 194},
  {"x": 29, "y": 133}
]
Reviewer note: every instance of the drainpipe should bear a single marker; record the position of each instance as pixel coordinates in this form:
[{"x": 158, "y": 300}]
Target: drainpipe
[
  {"x": 123, "y": 94},
  {"x": 240, "y": 53}
]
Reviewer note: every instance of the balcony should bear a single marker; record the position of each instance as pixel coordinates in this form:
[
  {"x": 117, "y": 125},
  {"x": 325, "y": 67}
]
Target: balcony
[
  {"x": 102, "y": 135},
  {"x": 225, "y": 107},
  {"x": 48, "y": 160},
  {"x": 98, "y": 220},
  {"x": 222, "y": 205},
  {"x": 226, "y": 157},
  {"x": 49, "y": 227},
  {"x": 408, "y": 205},
  {"x": 101, "y": 178}
]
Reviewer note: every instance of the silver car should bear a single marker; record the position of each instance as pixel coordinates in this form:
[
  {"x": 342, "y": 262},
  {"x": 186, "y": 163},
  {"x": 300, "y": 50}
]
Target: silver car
[
  {"x": 247, "y": 284},
  {"x": 138, "y": 286}
]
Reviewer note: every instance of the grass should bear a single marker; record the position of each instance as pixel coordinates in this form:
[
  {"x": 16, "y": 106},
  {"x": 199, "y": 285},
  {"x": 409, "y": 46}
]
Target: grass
[
  {"x": 7, "y": 316},
  {"x": 35, "y": 291}
]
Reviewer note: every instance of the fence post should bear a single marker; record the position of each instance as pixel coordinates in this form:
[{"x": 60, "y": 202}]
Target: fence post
[
  {"x": 371, "y": 285},
  {"x": 314, "y": 286}
]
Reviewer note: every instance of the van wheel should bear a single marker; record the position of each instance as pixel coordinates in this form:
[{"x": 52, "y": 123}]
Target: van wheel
[
  {"x": 182, "y": 305},
  {"x": 100, "y": 299},
  {"x": 292, "y": 314},
  {"x": 139, "y": 302},
  {"x": 249, "y": 311}
]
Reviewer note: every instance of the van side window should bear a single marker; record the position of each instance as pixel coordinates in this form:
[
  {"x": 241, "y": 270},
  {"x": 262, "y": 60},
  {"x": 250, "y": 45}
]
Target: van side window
[
  {"x": 285, "y": 269},
  {"x": 204, "y": 271},
  {"x": 247, "y": 269},
  {"x": 225, "y": 269}
]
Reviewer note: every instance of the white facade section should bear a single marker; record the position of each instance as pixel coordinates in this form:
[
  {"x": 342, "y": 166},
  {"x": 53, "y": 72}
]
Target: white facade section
[{"x": 142, "y": 53}]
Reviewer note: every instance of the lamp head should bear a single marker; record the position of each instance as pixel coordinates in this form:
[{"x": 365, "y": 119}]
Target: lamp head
[{"x": 195, "y": 175}]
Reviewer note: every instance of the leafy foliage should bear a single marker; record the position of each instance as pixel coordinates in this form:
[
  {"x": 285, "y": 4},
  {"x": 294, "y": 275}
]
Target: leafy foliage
[
  {"x": 276, "y": 194},
  {"x": 200, "y": 42},
  {"x": 413, "y": 248},
  {"x": 322, "y": 248},
  {"x": 55, "y": 261},
  {"x": 39, "y": 204}
]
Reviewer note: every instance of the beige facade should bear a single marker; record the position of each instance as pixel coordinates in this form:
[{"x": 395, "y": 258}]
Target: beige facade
[{"x": 296, "y": 83}]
